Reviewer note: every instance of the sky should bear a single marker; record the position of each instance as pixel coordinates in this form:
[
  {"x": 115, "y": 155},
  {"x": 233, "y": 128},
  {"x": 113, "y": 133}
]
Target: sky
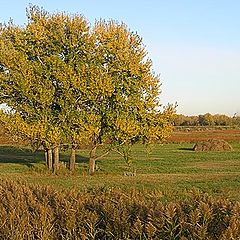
[{"x": 194, "y": 45}]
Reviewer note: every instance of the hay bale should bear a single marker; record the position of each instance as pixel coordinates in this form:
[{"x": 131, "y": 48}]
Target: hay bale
[{"x": 212, "y": 145}]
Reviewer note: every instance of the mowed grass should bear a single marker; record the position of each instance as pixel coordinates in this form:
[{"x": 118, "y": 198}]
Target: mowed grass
[{"x": 170, "y": 168}]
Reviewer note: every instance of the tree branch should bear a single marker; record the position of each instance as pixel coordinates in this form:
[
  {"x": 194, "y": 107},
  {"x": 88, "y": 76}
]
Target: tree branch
[{"x": 103, "y": 155}]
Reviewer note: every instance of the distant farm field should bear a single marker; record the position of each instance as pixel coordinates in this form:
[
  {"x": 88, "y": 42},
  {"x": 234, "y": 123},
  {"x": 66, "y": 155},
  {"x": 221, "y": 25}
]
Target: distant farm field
[
  {"x": 194, "y": 134},
  {"x": 169, "y": 168}
]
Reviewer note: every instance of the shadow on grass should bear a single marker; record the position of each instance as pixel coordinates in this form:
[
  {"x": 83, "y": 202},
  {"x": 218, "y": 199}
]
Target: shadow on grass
[
  {"x": 24, "y": 156},
  {"x": 82, "y": 159},
  {"x": 65, "y": 156},
  {"x": 186, "y": 149},
  {"x": 12, "y": 154}
]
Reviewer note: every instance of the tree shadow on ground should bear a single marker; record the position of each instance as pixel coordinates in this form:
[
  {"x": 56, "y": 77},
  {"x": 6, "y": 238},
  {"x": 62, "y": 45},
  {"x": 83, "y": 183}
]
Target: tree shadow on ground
[
  {"x": 25, "y": 156},
  {"x": 186, "y": 149},
  {"x": 64, "y": 157},
  {"x": 82, "y": 159}
]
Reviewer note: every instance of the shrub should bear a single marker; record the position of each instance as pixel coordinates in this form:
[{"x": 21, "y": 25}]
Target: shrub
[{"x": 38, "y": 212}]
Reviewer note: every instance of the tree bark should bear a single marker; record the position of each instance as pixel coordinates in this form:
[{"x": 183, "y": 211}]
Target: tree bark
[
  {"x": 46, "y": 156},
  {"x": 72, "y": 160},
  {"x": 55, "y": 159},
  {"x": 49, "y": 159},
  {"x": 92, "y": 160}
]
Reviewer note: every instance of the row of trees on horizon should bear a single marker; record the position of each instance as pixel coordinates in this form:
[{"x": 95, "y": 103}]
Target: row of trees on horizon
[{"x": 206, "y": 120}]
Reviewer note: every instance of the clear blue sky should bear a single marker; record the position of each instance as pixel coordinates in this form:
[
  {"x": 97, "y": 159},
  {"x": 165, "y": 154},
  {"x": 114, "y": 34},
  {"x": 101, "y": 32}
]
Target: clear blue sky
[{"x": 194, "y": 44}]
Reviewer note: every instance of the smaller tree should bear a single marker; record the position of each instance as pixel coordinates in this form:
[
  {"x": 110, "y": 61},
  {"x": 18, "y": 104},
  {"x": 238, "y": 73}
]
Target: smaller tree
[
  {"x": 236, "y": 120},
  {"x": 122, "y": 92},
  {"x": 206, "y": 120}
]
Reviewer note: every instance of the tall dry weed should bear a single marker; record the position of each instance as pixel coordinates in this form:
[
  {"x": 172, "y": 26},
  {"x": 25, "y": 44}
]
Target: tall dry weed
[{"x": 38, "y": 212}]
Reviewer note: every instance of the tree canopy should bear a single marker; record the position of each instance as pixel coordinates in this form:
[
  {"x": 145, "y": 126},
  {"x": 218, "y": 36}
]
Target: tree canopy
[{"x": 69, "y": 83}]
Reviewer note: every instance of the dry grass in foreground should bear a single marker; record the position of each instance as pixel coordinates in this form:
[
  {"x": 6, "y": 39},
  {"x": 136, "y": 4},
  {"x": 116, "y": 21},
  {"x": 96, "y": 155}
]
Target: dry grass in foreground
[{"x": 37, "y": 212}]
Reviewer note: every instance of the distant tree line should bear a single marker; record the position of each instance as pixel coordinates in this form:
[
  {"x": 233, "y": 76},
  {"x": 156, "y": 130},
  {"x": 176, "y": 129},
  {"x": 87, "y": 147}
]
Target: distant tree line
[{"x": 206, "y": 120}]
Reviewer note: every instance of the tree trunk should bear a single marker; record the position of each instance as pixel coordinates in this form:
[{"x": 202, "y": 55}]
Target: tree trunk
[
  {"x": 55, "y": 159},
  {"x": 92, "y": 160},
  {"x": 46, "y": 156},
  {"x": 49, "y": 159},
  {"x": 72, "y": 158}
]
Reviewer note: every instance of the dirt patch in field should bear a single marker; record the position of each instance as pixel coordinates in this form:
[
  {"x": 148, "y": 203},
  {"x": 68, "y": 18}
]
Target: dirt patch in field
[{"x": 212, "y": 145}]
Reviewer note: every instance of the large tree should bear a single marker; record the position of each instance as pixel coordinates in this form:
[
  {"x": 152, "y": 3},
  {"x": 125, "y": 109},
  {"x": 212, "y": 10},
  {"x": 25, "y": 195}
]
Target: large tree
[{"x": 86, "y": 85}]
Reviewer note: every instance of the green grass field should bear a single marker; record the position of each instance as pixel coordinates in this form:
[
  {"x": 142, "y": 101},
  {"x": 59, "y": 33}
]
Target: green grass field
[{"x": 171, "y": 169}]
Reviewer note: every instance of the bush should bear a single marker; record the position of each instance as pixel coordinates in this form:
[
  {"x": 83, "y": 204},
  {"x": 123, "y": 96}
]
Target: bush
[{"x": 38, "y": 212}]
